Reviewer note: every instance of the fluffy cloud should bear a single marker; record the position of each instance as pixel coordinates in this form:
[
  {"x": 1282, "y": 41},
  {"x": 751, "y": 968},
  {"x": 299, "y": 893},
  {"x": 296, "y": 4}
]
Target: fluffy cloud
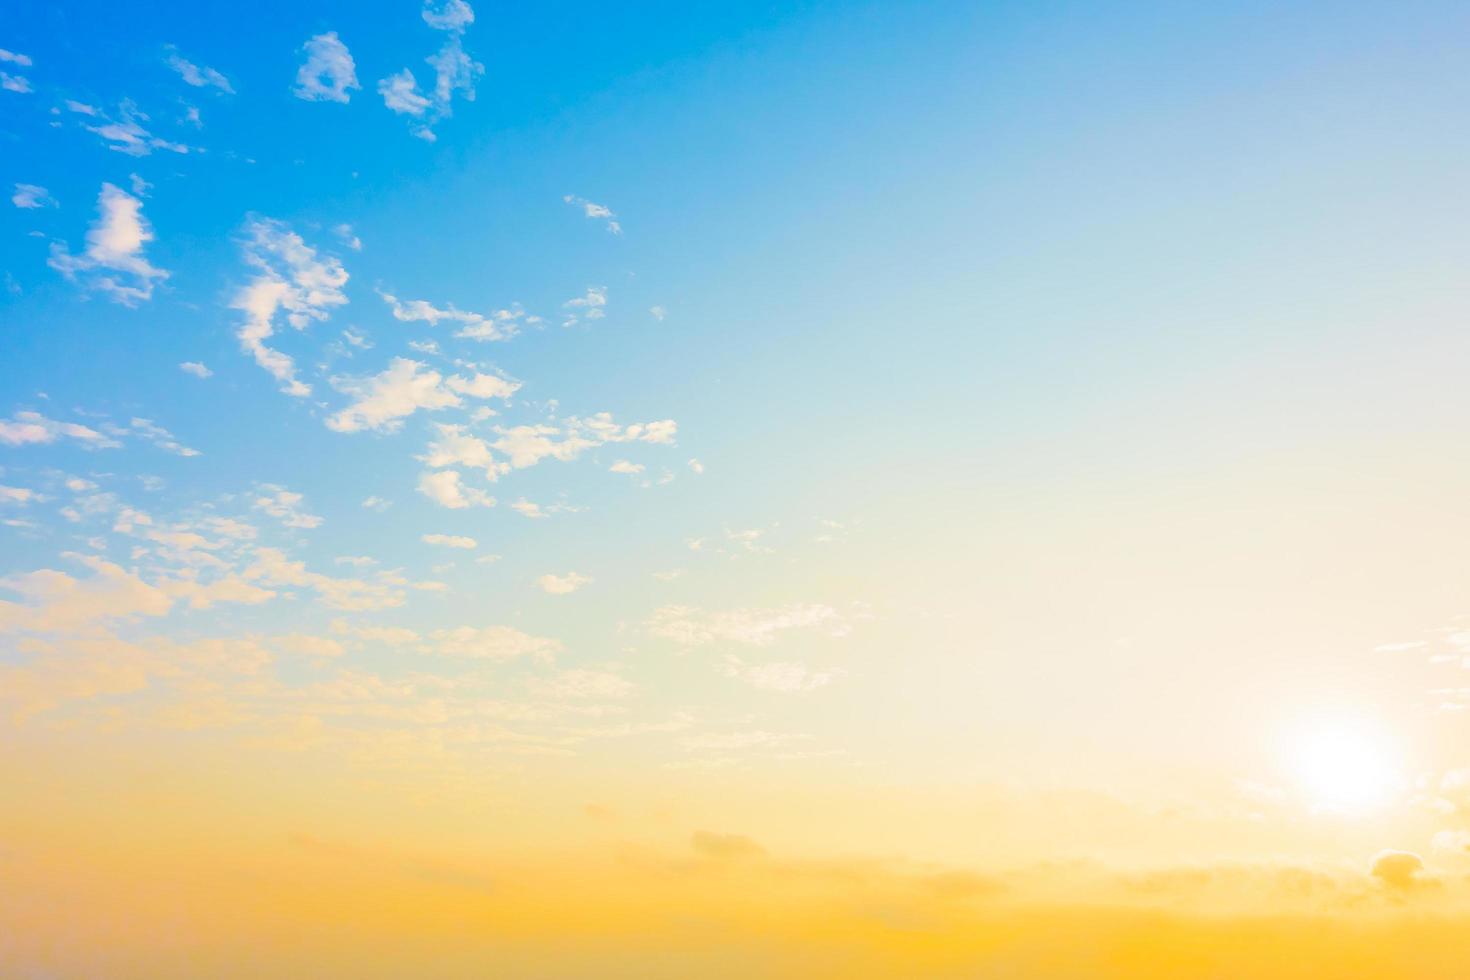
[
  {"x": 328, "y": 73},
  {"x": 454, "y": 72},
  {"x": 688, "y": 626},
  {"x": 596, "y": 212},
  {"x": 32, "y": 196},
  {"x": 199, "y": 77},
  {"x": 15, "y": 83},
  {"x": 497, "y": 325},
  {"x": 400, "y": 94},
  {"x": 16, "y": 495},
  {"x": 452, "y": 15},
  {"x": 290, "y": 277},
  {"x": 113, "y": 262},
  {"x": 383, "y": 400},
  {"x": 447, "y": 489},
  {"x": 562, "y": 584},
  {"x": 623, "y": 466},
  {"x": 590, "y": 305},
  {"x": 450, "y": 541},
  {"x": 32, "y": 428}
]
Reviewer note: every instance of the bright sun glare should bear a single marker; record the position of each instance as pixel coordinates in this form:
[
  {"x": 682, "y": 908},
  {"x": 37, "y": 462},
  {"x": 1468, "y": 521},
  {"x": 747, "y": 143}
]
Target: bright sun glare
[{"x": 1344, "y": 765}]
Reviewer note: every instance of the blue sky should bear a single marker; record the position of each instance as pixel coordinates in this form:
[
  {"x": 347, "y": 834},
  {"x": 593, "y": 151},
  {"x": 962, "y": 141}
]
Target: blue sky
[{"x": 954, "y": 297}]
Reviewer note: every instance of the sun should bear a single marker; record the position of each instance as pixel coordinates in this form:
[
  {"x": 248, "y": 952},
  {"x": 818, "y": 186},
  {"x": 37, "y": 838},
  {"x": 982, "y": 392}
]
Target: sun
[{"x": 1344, "y": 764}]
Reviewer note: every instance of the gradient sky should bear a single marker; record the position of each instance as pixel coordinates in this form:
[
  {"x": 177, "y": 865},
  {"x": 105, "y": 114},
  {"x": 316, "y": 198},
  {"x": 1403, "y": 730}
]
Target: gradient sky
[{"x": 948, "y": 474}]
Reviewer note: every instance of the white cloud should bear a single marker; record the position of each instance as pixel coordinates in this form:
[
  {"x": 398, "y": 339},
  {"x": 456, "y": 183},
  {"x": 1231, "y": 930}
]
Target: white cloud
[
  {"x": 32, "y": 196},
  {"x": 697, "y": 467},
  {"x": 376, "y": 504},
  {"x": 15, "y": 83},
  {"x": 32, "y": 428},
  {"x": 199, "y": 77},
  {"x": 113, "y": 261},
  {"x": 658, "y": 313},
  {"x": 384, "y": 400},
  {"x": 483, "y": 386},
  {"x": 285, "y": 506},
  {"x": 328, "y": 73},
  {"x": 497, "y": 325},
  {"x": 452, "y": 15},
  {"x": 446, "y": 488},
  {"x": 15, "y": 59},
  {"x": 593, "y": 302},
  {"x": 623, "y": 466},
  {"x": 157, "y": 435},
  {"x": 80, "y": 108},
  {"x": 688, "y": 626},
  {"x": 126, "y": 133},
  {"x": 345, "y": 234},
  {"x": 16, "y": 495},
  {"x": 292, "y": 278},
  {"x": 196, "y": 368},
  {"x": 562, "y": 584},
  {"x": 526, "y": 508},
  {"x": 596, "y": 212},
  {"x": 450, "y": 541},
  {"x": 454, "y": 71},
  {"x": 400, "y": 94}
]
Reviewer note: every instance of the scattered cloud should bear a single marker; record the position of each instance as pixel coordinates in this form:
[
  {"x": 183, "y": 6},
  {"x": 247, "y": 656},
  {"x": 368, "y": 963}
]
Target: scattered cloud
[
  {"x": 15, "y": 83},
  {"x": 591, "y": 304},
  {"x": 688, "y": 626},
  {"x": 32, "y": 428},
  {"x": 328, "y": 74},
  {"x": 382, "y": 401},
  {"x": 125, "y": 132},
  {"x": 497, "y": 325},
  {"x": 32, "y": 196},
  {"x": 623, "y": 466},
  {"x": 113, "y": 262},
  {"x": 285, "y": 506},
  {"x": 596, "y": 212},
  {"x": 376, "y": 504},
  {"x": 696, "y": 467},
  {"x": 497, "y": 643},
  {"x": 562, "y": 584},
  {"x": 148, "y": 431},
  {"x": 15, "y": 58},
  {"x": 447, "y": 489},
  {"x": 197, "y": 76},
  {"x": 290, "y": 277},
  {"x": 196, "y": 368},
  {"x": 450, "y": 541},
  {"x": 454, "y": 72}
]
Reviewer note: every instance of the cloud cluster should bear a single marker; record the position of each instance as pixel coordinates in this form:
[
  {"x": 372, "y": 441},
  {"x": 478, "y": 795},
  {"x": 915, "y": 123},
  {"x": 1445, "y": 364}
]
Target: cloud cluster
[
  {"x": 328, "y": 73},
  {"x": 455, "y": 73}
]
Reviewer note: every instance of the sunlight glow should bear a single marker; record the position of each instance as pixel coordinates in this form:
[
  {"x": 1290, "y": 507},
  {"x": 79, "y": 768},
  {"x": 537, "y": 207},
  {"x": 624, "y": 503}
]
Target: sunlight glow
[{"x": 1344, "y": 765}]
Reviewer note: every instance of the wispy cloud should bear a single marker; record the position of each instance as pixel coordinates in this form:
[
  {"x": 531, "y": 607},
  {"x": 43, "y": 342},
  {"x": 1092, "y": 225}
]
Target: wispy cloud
[{"x": 196, "y": 75}]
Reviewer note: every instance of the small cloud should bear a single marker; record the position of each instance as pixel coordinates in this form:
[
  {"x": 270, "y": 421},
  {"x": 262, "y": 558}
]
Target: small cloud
[
  {"x": 328, "y": 74},
  {"x": 196, "y": 368},
  {"x": 376, "y": 504},
  {"x": 199, "y": 77},
  {"x": 658, "y": 313},
  {"x": 562, "y": 584},
  {"x": 345, "y": 234},
  {"x": 15, "y": 58},
  {"x": 32, "y": 196},
  {"x": 15, "y": 83},
  {"x": 623, "y": 466},
  {"x": 697, "y": 467},
  {"x": 596, "y": 212},
  {"x": 450, "y": 541}
]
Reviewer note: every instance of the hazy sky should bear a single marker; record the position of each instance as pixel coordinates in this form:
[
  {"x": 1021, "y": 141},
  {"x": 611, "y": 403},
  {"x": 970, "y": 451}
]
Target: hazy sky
[{"x": 944, "y": 473}]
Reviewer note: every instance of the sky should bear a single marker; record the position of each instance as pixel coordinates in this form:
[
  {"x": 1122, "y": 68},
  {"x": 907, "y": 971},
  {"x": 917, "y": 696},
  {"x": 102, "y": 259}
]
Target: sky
[{"x": 823, "y": 489}]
